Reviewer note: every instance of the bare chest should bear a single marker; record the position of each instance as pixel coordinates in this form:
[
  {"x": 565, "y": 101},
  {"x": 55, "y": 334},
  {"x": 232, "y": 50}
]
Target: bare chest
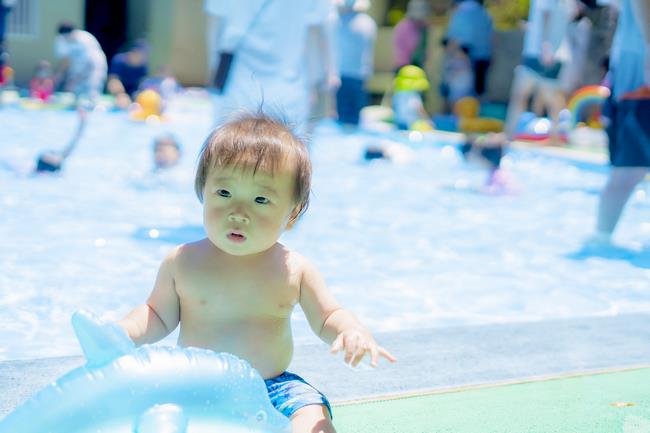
[{"x": 213, "y": 290}]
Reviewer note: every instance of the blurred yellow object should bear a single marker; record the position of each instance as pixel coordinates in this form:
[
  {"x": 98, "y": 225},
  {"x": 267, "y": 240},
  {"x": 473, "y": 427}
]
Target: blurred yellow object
[
  {"x": 467, "y": 110},
  {"x": 411, "y": 78},
  {"x": 149, "y": 105},
  {"x": 479, "y": 124},
  {"x": 421, "y": 126},
  {"x": 596, "y": 124},
  {"x": 467, "y": 107}
]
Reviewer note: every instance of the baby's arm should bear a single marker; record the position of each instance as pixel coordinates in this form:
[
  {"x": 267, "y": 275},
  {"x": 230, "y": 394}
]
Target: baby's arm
[
  {"x": 333, "y": 324},
  {"x": 160, "y": 315}
]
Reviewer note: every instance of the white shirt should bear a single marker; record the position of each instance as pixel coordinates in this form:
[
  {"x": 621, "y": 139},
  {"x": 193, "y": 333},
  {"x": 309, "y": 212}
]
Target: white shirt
[
  {"x": 84, "y": 52},
  {"x": 557, "y": 26},
  {"x": 268, "y": 38}
]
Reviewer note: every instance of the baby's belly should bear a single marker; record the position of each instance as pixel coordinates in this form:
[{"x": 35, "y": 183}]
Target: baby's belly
[{"x": 266, "y": 344}]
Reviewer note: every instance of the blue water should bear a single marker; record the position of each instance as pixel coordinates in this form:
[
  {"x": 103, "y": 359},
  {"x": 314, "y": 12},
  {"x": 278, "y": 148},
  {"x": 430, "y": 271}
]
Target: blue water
[{"x": 404, "y": 246}]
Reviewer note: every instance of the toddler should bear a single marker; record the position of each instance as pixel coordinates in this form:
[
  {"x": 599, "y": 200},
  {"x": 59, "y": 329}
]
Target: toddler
[
  {"x": 235, "y": 290},
  {"x": 41, "y": 86},
  {"x": 408, "y": 107},
  {"x": 457, "y": 76}
]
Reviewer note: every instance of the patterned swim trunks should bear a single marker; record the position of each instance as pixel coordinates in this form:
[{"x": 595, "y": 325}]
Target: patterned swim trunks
[{"x": 289, "y": 392}]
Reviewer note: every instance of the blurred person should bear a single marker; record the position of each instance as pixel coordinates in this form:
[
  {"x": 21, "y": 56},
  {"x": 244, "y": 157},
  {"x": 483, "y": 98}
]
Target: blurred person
[
  {"x": 5, "y": 8},
  {"x": 126, "y": 72},
  {"x": 408, "y": 107},
  {"x": 410, "y": 36},
  {"x": 256, "y": 52},
  {"x": 321, "y": 55},
  {"x": 163, "y": 82},
  {"x": 471, "y": 26},
  {"x": 82, "y": 68},
  {"x": 457, "y": 79},
  {"x": 572, "y": 75},
  {"x": 51, "y": 161},
  {"x": 356, "y": 32},
  {"x": 629, "y": 115},
  {"x": 41, "y": 86},
  {"x": 166, "y": 152},
  {"x": 542, "y": 59}
]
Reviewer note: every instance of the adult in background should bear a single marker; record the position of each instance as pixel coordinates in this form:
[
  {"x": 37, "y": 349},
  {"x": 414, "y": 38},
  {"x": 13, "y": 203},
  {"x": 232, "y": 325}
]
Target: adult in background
[
  {"x": 356, "y": 32},
  {"x": 471, "y": 26},
  {"x": 411, "y": 34},
  {"x": 629, "y": 127},
  {"x": 82, "y": 69},
  {"x": 256, "y": 52},
  {"x": 5, "y": 8},
  {"x": 542, "y": 60},
  {"x": 127, "y": 70}
]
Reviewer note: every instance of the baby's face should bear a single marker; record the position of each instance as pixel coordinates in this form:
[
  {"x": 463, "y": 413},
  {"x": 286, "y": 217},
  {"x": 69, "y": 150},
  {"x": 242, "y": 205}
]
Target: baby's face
[{"x": 245, "y": 214}]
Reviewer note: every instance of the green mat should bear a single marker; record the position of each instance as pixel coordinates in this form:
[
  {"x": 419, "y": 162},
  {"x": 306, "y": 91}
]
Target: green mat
[{"x": 600, "y": 403}]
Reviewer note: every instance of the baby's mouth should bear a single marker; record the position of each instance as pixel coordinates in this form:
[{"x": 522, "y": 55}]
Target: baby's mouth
[{"x": 236, "y": 237}]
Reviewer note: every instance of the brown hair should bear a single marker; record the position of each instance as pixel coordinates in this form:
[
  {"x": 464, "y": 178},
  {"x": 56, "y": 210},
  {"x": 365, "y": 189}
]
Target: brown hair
[{"x": 257, "y": 141}]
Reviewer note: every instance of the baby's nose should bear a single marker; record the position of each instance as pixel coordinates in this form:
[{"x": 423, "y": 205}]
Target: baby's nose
[{"x": 238, "y": 218}]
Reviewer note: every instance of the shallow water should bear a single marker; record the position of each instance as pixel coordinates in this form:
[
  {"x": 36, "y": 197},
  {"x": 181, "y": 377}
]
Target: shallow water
[{"x": 404, "y": 246}]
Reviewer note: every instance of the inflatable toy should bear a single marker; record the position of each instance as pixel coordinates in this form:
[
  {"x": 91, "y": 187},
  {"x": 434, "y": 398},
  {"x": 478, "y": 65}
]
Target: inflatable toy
[
  {"x": 585, "y": 98},
  {"x": 123, "y": 389},
  {"x": 421, "y": 126},
  {"x": 376, "y": 118},
  {"x": 148, "y": 105},
  {"x": 467, "y": 110},
  {"x": 532, "y": 128}
]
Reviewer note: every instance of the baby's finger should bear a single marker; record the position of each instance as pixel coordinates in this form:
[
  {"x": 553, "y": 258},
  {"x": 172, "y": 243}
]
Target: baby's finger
[
  {"x": 358, "y": 356},
  {"x": 386, "y": 354},
  {"x": 374, "y": 355},
  {"x": 350, "y": 351},
  {"x": 337, "y": 345}
]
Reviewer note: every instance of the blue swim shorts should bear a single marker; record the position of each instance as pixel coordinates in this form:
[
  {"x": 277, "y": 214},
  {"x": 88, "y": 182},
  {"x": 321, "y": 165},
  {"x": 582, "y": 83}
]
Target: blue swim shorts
[
  {"x": 551, "y": 71},
  {"x": 629, "y": 132},
  {"x": 289, "y": 392}
]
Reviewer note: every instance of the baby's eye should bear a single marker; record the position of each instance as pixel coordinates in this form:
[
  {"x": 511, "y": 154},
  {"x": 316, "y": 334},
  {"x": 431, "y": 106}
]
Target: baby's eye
[
  {"x": 223, "y": 192},
  {"x": 262, "y": 200}
]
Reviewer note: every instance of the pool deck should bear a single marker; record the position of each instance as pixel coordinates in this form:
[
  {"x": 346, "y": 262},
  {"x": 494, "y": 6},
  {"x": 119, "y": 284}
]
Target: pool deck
[{"x": 430, "y": 360}]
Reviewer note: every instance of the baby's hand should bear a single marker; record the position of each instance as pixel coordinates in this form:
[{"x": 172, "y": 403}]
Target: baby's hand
[{"x": 357, "y": 343}]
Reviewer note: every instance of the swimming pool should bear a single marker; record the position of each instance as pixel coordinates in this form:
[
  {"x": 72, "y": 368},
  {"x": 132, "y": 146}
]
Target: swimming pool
[{"x": 402, "y": 245}]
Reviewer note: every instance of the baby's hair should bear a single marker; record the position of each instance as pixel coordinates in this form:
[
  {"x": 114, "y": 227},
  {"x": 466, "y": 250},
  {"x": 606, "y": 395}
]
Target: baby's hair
[{"x": 257, "y": 141}]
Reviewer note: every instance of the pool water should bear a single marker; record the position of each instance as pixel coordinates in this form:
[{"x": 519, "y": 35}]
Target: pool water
[{"x": 409, "y": 245}]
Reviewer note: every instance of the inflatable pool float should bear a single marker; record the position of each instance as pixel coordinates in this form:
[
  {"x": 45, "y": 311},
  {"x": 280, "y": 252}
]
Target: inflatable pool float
[
  {"x": 466, "y": 119},
  {"x": 585, "y": 98},
  {"x": 467, "y": 110},
  {"x": 150, "y": 389}
]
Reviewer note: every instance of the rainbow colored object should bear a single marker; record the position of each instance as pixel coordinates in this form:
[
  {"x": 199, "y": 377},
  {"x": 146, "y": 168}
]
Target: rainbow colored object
[{"x": 584, "y": 97}]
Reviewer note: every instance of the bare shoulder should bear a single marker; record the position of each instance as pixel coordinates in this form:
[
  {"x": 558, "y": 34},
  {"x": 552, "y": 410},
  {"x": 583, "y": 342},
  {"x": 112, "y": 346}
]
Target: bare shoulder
[
  {"x": 191, "y": 250},
  {"x": 298, "y": 264}
]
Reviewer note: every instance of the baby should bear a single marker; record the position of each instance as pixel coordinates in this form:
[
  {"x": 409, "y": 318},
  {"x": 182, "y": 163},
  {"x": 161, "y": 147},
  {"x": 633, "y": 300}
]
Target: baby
[{"x": 235, "y": 290}]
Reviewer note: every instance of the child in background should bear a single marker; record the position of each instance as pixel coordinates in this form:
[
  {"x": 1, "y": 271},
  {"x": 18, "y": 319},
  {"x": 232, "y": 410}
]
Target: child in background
[
  {"x": 235, "y": 290},
  {"x": 408, "y": 108},
  {"x": 41, "y": 86},
  {"x": 164, "y": 83},
  {"x": 457, "y": 76},
  {"x": 166, "y": 152}
]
